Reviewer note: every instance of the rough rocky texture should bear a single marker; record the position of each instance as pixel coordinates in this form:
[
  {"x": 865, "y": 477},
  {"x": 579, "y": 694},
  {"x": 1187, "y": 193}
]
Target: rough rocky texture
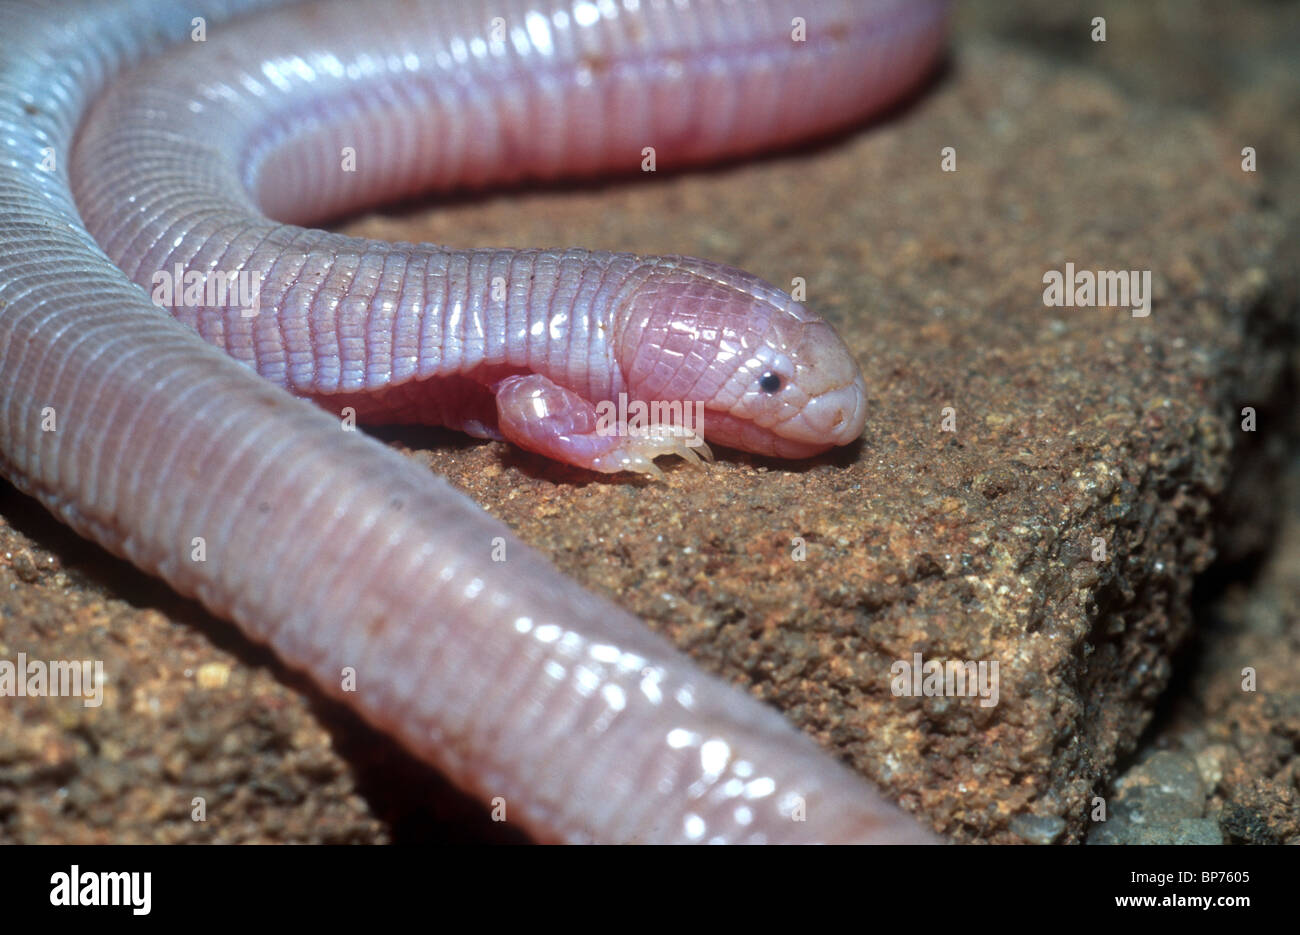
[
  {"x": 1071, "y": 425},
  {"x": 1235, "y": 64},
  {"x": 1232, "y": 61},
  {"x": 1242, "y": 739},
  {"x": 1162, "y": 801},
  {"x": 190, "y": 710}
]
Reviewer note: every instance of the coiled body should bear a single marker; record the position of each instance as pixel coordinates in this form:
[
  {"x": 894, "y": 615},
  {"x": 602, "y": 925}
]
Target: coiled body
[{"x": 352, "y": 562}]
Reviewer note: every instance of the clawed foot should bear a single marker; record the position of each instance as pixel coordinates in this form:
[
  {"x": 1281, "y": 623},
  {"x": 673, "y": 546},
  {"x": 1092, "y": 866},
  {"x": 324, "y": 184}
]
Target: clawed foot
[
  {"x": 637, "y": 453},
  {"x": 537, "y": 414}
]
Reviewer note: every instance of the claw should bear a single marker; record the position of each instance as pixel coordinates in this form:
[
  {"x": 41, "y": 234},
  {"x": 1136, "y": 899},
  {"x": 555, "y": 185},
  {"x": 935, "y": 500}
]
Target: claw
[
  {"x": 674, "y": 440},
  {"x": 696, "y": 454},
  {"x": 642, "y": 465},
  {"x": 637, "y": 453},
  {"x": 635, "y": 462}
]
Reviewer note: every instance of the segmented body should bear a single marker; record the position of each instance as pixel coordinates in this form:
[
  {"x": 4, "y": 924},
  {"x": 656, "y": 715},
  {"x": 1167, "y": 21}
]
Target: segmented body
[{"x": 344, "y": 556}]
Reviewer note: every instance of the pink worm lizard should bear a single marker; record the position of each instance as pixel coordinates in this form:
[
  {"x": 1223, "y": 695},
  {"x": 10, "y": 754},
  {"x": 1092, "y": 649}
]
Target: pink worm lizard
[{"x": 352, "y": 562}]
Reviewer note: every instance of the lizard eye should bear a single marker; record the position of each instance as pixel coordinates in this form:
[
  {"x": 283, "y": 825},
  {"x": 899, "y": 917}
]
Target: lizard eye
[{"x": 769, "y": 382}]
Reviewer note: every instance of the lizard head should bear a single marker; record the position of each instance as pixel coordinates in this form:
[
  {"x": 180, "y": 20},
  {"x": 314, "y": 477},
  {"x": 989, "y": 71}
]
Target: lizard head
[{"x": 773, "y": 377}]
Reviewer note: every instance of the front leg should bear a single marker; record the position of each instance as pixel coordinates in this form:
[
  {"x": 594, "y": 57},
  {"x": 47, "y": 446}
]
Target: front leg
[{"x": 542, "y": 416}]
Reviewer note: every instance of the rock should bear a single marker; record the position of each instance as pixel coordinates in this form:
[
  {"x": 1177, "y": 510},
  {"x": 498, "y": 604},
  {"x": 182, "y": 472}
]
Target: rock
[
  {"x": 1170, "y": 779},
  {"x": 1248, "y": 608},
  {"x": 1038, "y": 829},
  {"x": 1056, "y": 532},
  {"x": 1159, "y": 801},
  {"x": 1180, "y": 831}
]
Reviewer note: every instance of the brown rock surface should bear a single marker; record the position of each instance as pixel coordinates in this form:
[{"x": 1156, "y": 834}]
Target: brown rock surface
[
  {"x": 1235, "y": 65},
  {"x": 1072, "y": 424},
  {"x": 1234, "y": 708}
]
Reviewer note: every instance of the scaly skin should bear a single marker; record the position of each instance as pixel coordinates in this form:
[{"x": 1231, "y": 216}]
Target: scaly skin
[{"x": 341, "y": 555}]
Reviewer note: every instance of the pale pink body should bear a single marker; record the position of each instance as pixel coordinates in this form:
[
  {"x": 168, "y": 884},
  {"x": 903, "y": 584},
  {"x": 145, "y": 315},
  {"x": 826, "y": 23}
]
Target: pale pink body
[{"x": 345, "y": 556}]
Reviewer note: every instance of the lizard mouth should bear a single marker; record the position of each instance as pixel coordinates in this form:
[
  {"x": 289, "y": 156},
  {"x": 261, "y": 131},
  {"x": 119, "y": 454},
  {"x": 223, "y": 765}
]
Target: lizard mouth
[{"x": 725, "y": 429}]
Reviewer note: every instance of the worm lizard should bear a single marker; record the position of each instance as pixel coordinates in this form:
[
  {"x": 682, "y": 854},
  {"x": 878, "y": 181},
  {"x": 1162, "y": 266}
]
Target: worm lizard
[{"x": 132, "y": 159}]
